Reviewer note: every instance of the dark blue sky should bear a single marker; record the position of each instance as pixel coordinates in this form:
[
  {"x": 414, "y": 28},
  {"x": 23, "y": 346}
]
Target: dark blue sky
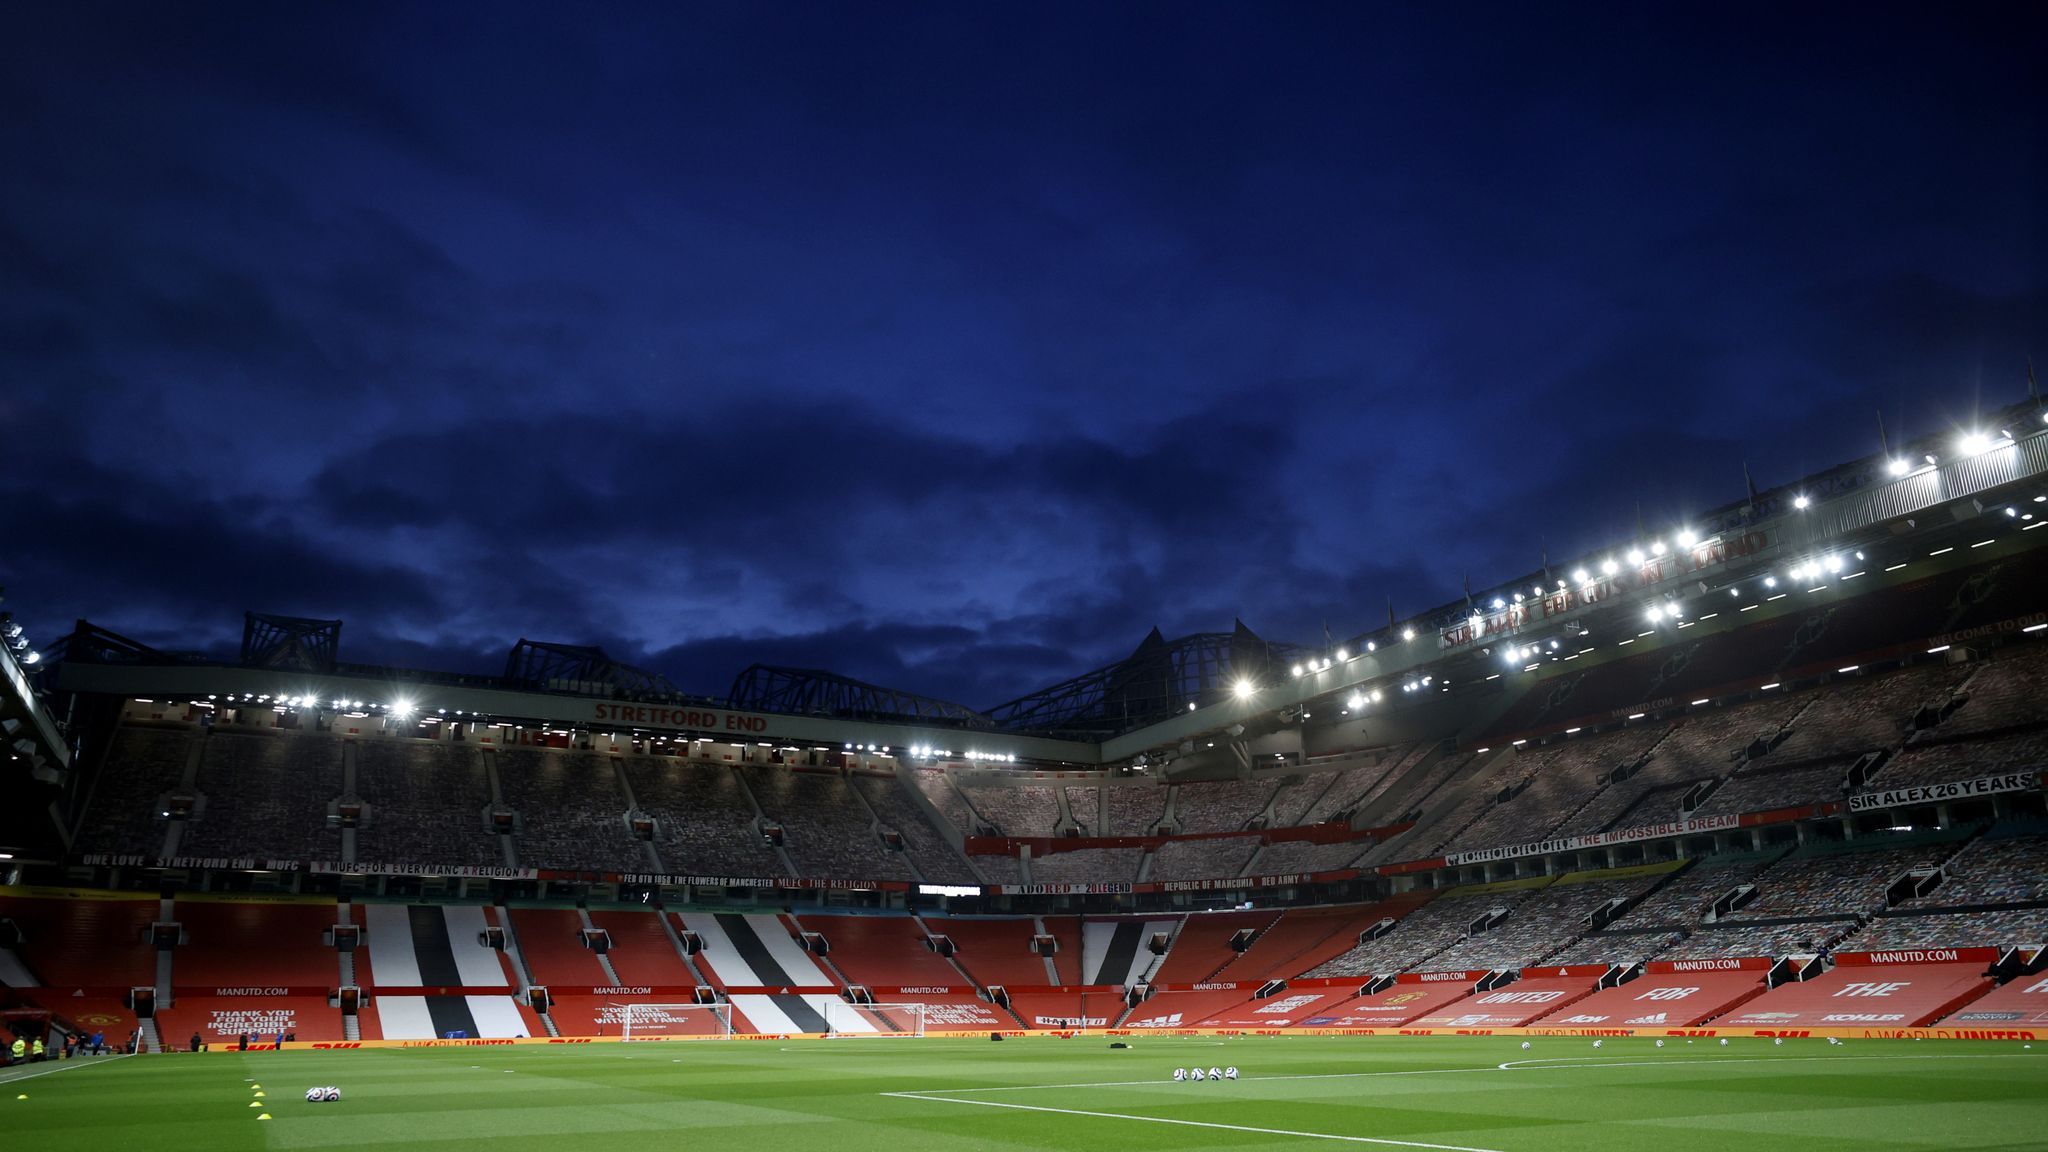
[{"x": 954, "y": 346}]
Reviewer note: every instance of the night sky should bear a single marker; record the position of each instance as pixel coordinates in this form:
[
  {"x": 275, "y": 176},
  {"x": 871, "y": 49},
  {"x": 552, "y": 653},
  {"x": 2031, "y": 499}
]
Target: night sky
[{"x": 954, "y": 346}]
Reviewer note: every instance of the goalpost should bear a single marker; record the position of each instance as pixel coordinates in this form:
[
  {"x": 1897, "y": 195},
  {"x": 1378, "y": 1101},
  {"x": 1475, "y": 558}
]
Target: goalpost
[
  {"x": 845, "y": 1021},
  {"x": 669, "y": 1021}
]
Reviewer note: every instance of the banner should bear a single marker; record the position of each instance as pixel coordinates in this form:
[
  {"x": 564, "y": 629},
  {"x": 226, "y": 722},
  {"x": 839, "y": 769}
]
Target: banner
[
  {"x": 1597, "y": 839},
  {"x": 1955, "y": 790}
]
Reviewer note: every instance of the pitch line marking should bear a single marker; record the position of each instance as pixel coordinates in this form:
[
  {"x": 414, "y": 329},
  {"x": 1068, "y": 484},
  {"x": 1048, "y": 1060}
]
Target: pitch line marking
[
  {"x": 1199, "y": 1123},
  {"x": 5, "y": 1079}
]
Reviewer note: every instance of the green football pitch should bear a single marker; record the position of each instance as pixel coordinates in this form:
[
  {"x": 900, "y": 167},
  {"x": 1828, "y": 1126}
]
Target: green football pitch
[{"x": 1486, "y": 1093}]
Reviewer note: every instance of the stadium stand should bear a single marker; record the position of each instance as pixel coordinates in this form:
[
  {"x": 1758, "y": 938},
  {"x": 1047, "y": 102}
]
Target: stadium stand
[
  {"x": 424, "y": 801},
  {"x": 1299, "y": 795},
  {"x": 1202, "y": 859},
  {"x": 551, "y": 943},
  {"x": 1303, "y": 938},
  {"x": 1938, "y": 761},
  {"x": 1765, "y": 789},
  {"x": 270, "y": 943},
  {"x": 1086, "y": 865},
  {"x": 2020, "y": 1003},
  {"x": 1866, "y": 989},
  {"x": 827, "y": 831},
  {"x": 1705, "y": 746},
  {"x": 221, "y": 1020},
  {"x": 1289, "y": 856},
  {"x": 141, "y": 765},
  {"x": 641, "y": 952},
  {"x": 885, "y": 952},
  {"x": 266, "y": 796},
  {"x": 1780, "y": 938},
  {"x": 1685, "y": 897},
  {"x": 1548, "y": 920},
  {"x": 1561, "y": 778},
  {"x": 1220, "y": 805},
  {"x": 1418, "y": 937},
  {"x": 1833, "y": 879},
  {"x": 1864, "y": 715},
  {"x": 993, "y": 950},
  {"x": 933, "y": 858},
  {"x": 2004, "y": 866},
  {"x": 1201, "y": 947},
  {"x": 938, "y": 788},
  {"x": 1014, "y": 810},
  {"x": 1954, "y": 930},
  {"x": 1135, "y": 810},
  {"x": 95, "y": 940},
  {"x": 1668, "y": 995},
  {"x": 572, "y": 812},
  {"x": 702, "y": 820}
]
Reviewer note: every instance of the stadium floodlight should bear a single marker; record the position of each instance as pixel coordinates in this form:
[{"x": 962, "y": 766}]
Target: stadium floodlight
[
  {"x": 1635, "y": 555},
  {"x": 31, "y": 657},
  {"x": 401, "y": 708},
  {"x": 1801, "y": 501},
  {"x": 1897, "y": 467},
  {"x": 1770, "y": 581},
  {"x": 1297, "y": 671},
  {"x": 1343, "y": 654},
  {"x": 1375, "y": 695},
  {"x": 1356, "y": 702},
  {"x": 1657, "y": 548},
  {"x": 1191, "y": 705},
  {"x": 1498, "y": 603},
  {"x": 1609, "y": 567},
  {"x": 1243, "y": 689},
  {"x": 1655, "y": 614},
  {"x": 1688, "y": 537},
  {"x": 1834, "y": 564},
  {"x": 1372, "y": 646},
  {"x": 1580, "y": 575},
  {"x": 1407, "y": 633},
  {"x": 1974, "y": 443}
]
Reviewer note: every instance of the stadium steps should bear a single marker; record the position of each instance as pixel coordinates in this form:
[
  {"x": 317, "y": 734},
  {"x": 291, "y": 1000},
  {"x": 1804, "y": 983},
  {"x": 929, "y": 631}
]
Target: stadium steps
[
  {"x": 954, "y": 959},
  {"x": 824, "y": 959},
  {"x": 647, "y": 848},
  {"x": 1615, "y": 776},
  {"x": 1394, "y": 798},
  {"x": 519, "y": 967},
  {"x": 603, "y": 961},
  {"x": 1258, "y": 934},
  {"x": 876, "y": 826},
  {"x": 953, "y": 837},
  {"x": 1445, "y": 797},
  {"x": 761, "y": 820},
  {"x": 675, "y": 940},
  {"x": 150, "y": 1042},
  {"x": 1052, "y": 972}
]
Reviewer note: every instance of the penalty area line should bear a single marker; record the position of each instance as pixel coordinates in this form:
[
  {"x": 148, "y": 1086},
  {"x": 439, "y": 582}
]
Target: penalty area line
[{"x": 1382, "y": 1140}]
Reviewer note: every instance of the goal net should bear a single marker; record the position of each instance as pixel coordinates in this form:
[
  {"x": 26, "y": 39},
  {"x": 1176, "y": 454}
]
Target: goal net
[
  {"x": 669, "y": 1021},
  {"x": 845, "y": 1021}
]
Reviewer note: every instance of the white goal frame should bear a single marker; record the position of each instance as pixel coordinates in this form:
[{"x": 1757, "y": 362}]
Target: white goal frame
[
  {"x": 630, "y": 1013},
  {"x": 839, "y": 1013}
]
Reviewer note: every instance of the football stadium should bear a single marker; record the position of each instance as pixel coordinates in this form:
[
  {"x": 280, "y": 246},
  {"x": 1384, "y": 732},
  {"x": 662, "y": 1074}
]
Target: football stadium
[{"x": 1729, "y": 835}]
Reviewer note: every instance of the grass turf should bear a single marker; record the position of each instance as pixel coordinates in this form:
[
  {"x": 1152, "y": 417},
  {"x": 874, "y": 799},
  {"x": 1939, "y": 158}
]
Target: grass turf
[{"x": 1048, "y": 1093}]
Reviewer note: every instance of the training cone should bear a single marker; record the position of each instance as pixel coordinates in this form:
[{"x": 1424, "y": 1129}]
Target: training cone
[
  {"x": 254, "y": 1087},
  {"x": 259, "y": 1093},
  {"x": 23, "y": 1096},
  {"x": 265, "y": 1116},
  {"x": 254, "y": 1104}
]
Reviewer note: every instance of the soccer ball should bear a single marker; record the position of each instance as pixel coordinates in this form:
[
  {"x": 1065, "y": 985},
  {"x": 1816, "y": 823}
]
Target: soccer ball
[
  {"x": 1660, "y": 1043},
  {"x": 1724, "y": 1041},
  {"x": 330, "y": 1094},
  {"x": 1596, "y": 1043},
  {"x": 1525, "y": 1045},
  {"x": 1215, "y": 1073},
  {"x": 1778, "y": 1042},
  {"x": 315, "y": 1095},
  {"x": 1180, "y": 1074},
  {"x": 1230, "y": 1073}
]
